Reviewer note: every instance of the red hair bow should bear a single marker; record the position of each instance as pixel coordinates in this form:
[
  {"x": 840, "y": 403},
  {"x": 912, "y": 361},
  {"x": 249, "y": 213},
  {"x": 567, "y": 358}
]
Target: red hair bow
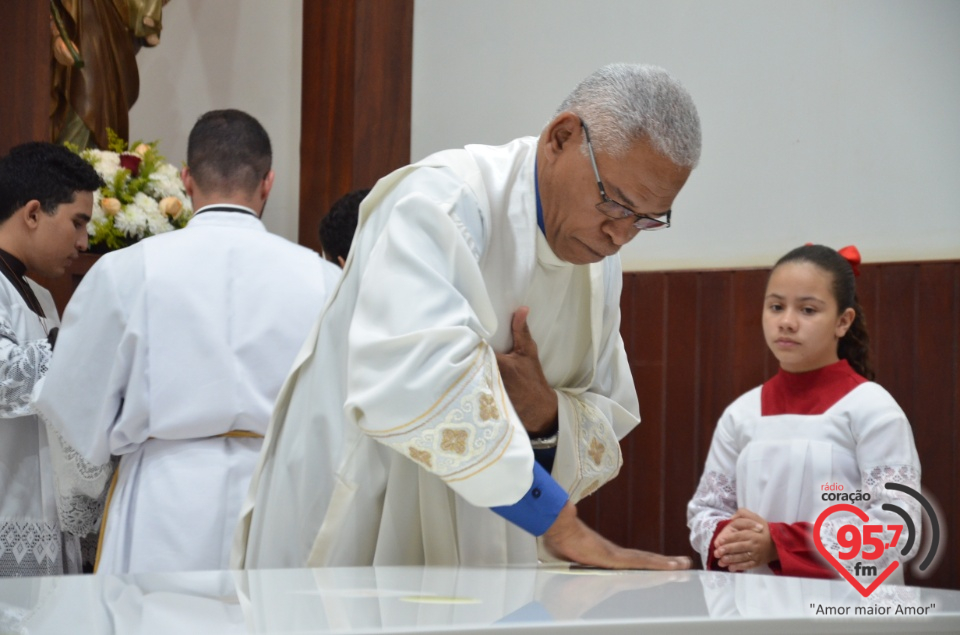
[{"x": 852, "y": 255}]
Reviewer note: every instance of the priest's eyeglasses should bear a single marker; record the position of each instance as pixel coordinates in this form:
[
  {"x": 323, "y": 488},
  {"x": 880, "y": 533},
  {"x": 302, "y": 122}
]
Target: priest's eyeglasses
[{"x": 612, "y": 209}]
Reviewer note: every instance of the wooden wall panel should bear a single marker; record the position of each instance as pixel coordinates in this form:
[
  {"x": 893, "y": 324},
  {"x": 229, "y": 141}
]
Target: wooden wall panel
[
  {"x": 682, "y": 350},
  {"x": 717, "y": 360},
  {"x": 752, "y": 361},
  {"x": 954, "y": 439},
  {"x": 895, "y": 328},
  {"x": 24, "y": 73},
  {"x": 356, "y": 100},
  {"x": 708, "y": 349},
  {"x": 868, "y": 286},
  {"x": 647, "y": 363},
  {"x": 935, "y": 417}
]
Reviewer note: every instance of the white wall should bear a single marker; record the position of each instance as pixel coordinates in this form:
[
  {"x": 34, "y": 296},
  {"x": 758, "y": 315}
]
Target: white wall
[
  {"x": 827, "y": 121},
  {"x": 215, "y": 54}
]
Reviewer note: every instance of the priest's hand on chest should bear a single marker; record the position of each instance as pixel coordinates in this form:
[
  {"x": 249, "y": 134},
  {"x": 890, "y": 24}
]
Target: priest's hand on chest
[{"x": 531, "y": 395}]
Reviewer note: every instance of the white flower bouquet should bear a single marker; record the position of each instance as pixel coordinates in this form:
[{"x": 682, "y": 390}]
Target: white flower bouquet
[{"x": 143, "y": 195}]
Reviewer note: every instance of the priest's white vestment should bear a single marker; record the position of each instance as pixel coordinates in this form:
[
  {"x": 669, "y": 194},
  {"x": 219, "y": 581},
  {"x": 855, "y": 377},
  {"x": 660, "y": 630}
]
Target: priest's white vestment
[
  {"x": 171, "y": 356},
  {"x": 394, "y": 434}
]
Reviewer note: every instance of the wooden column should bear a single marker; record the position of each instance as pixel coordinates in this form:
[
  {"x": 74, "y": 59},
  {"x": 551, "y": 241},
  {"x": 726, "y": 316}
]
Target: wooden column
[
  {"x": 24, "y": 73},
  {"x": 355, "y": 119}
]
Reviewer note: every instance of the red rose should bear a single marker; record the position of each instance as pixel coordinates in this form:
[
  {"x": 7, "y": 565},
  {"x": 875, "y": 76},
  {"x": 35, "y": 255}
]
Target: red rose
[{"x": 130, "y": 162}]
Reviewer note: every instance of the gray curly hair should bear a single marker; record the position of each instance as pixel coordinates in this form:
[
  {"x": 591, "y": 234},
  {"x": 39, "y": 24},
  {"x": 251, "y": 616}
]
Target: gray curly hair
[{"x": 625, "y": 103}]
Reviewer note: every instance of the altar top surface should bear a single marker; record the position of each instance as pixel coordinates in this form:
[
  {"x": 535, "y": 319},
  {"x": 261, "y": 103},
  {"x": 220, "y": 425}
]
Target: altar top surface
[{"x": 465, "y": 600}]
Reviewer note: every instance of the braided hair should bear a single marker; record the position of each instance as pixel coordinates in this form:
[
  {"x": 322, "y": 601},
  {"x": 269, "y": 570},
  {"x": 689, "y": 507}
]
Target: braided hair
[{"x": 853, "y": 345}]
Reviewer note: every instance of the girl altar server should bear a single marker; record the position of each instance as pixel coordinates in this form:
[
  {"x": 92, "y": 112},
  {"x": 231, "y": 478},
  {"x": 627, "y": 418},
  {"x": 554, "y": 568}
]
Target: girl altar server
[{"x": 783, "y": 452}]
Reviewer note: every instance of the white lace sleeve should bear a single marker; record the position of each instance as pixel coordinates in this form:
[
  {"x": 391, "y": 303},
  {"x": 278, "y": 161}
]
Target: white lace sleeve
[
  {"x": 21, "y": 367},
  {"x": 81, "y": 486},
  {"x": 716, "y": 496},
  {"x": 715, "y": 500}
]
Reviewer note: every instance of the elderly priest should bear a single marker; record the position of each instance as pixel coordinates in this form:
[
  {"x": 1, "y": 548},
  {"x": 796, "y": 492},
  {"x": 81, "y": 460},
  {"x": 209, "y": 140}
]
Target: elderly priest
[{"x": 477, "y": 323}]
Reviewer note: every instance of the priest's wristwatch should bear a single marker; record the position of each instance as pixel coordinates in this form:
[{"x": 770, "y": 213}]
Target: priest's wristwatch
[{"x": 545, "y": 442}]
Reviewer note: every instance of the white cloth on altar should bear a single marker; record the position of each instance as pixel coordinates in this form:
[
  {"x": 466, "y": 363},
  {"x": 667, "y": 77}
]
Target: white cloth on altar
[
  {"x": 31, "y": 542},
  {"x": 426, "y": 438},
  {"x": 777, "y": 467},
  {"x": 166, "y": 345}
]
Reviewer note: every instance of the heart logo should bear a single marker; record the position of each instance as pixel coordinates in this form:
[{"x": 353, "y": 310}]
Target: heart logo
[{"x": 844, "y": 507}]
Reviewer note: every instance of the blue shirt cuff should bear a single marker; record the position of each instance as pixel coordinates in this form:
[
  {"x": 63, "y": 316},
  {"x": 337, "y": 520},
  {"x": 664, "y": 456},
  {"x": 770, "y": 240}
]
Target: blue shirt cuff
[{"x": 538, "y": 509}]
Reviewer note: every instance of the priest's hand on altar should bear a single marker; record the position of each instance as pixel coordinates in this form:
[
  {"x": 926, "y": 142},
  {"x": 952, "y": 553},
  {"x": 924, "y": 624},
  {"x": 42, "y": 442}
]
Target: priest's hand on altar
[
  {"x": 531, "y": 395},
  {"x": 745, "y": 542},
  {"x": 570, "y": 539}
]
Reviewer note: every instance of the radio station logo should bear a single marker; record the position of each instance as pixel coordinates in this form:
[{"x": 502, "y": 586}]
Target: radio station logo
[{"x": 866, "y": 540}]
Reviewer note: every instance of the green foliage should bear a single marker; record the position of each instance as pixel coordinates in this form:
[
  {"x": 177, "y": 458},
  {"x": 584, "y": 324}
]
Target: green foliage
[
  {"x": 115, "y": 143},
  {"x": 106, "y": 237}
]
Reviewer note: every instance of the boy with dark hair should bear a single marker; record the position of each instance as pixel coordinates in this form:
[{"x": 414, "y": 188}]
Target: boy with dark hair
[
  {"x": 46, "y": 198},
  {"x": 338, "y": 226}
]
